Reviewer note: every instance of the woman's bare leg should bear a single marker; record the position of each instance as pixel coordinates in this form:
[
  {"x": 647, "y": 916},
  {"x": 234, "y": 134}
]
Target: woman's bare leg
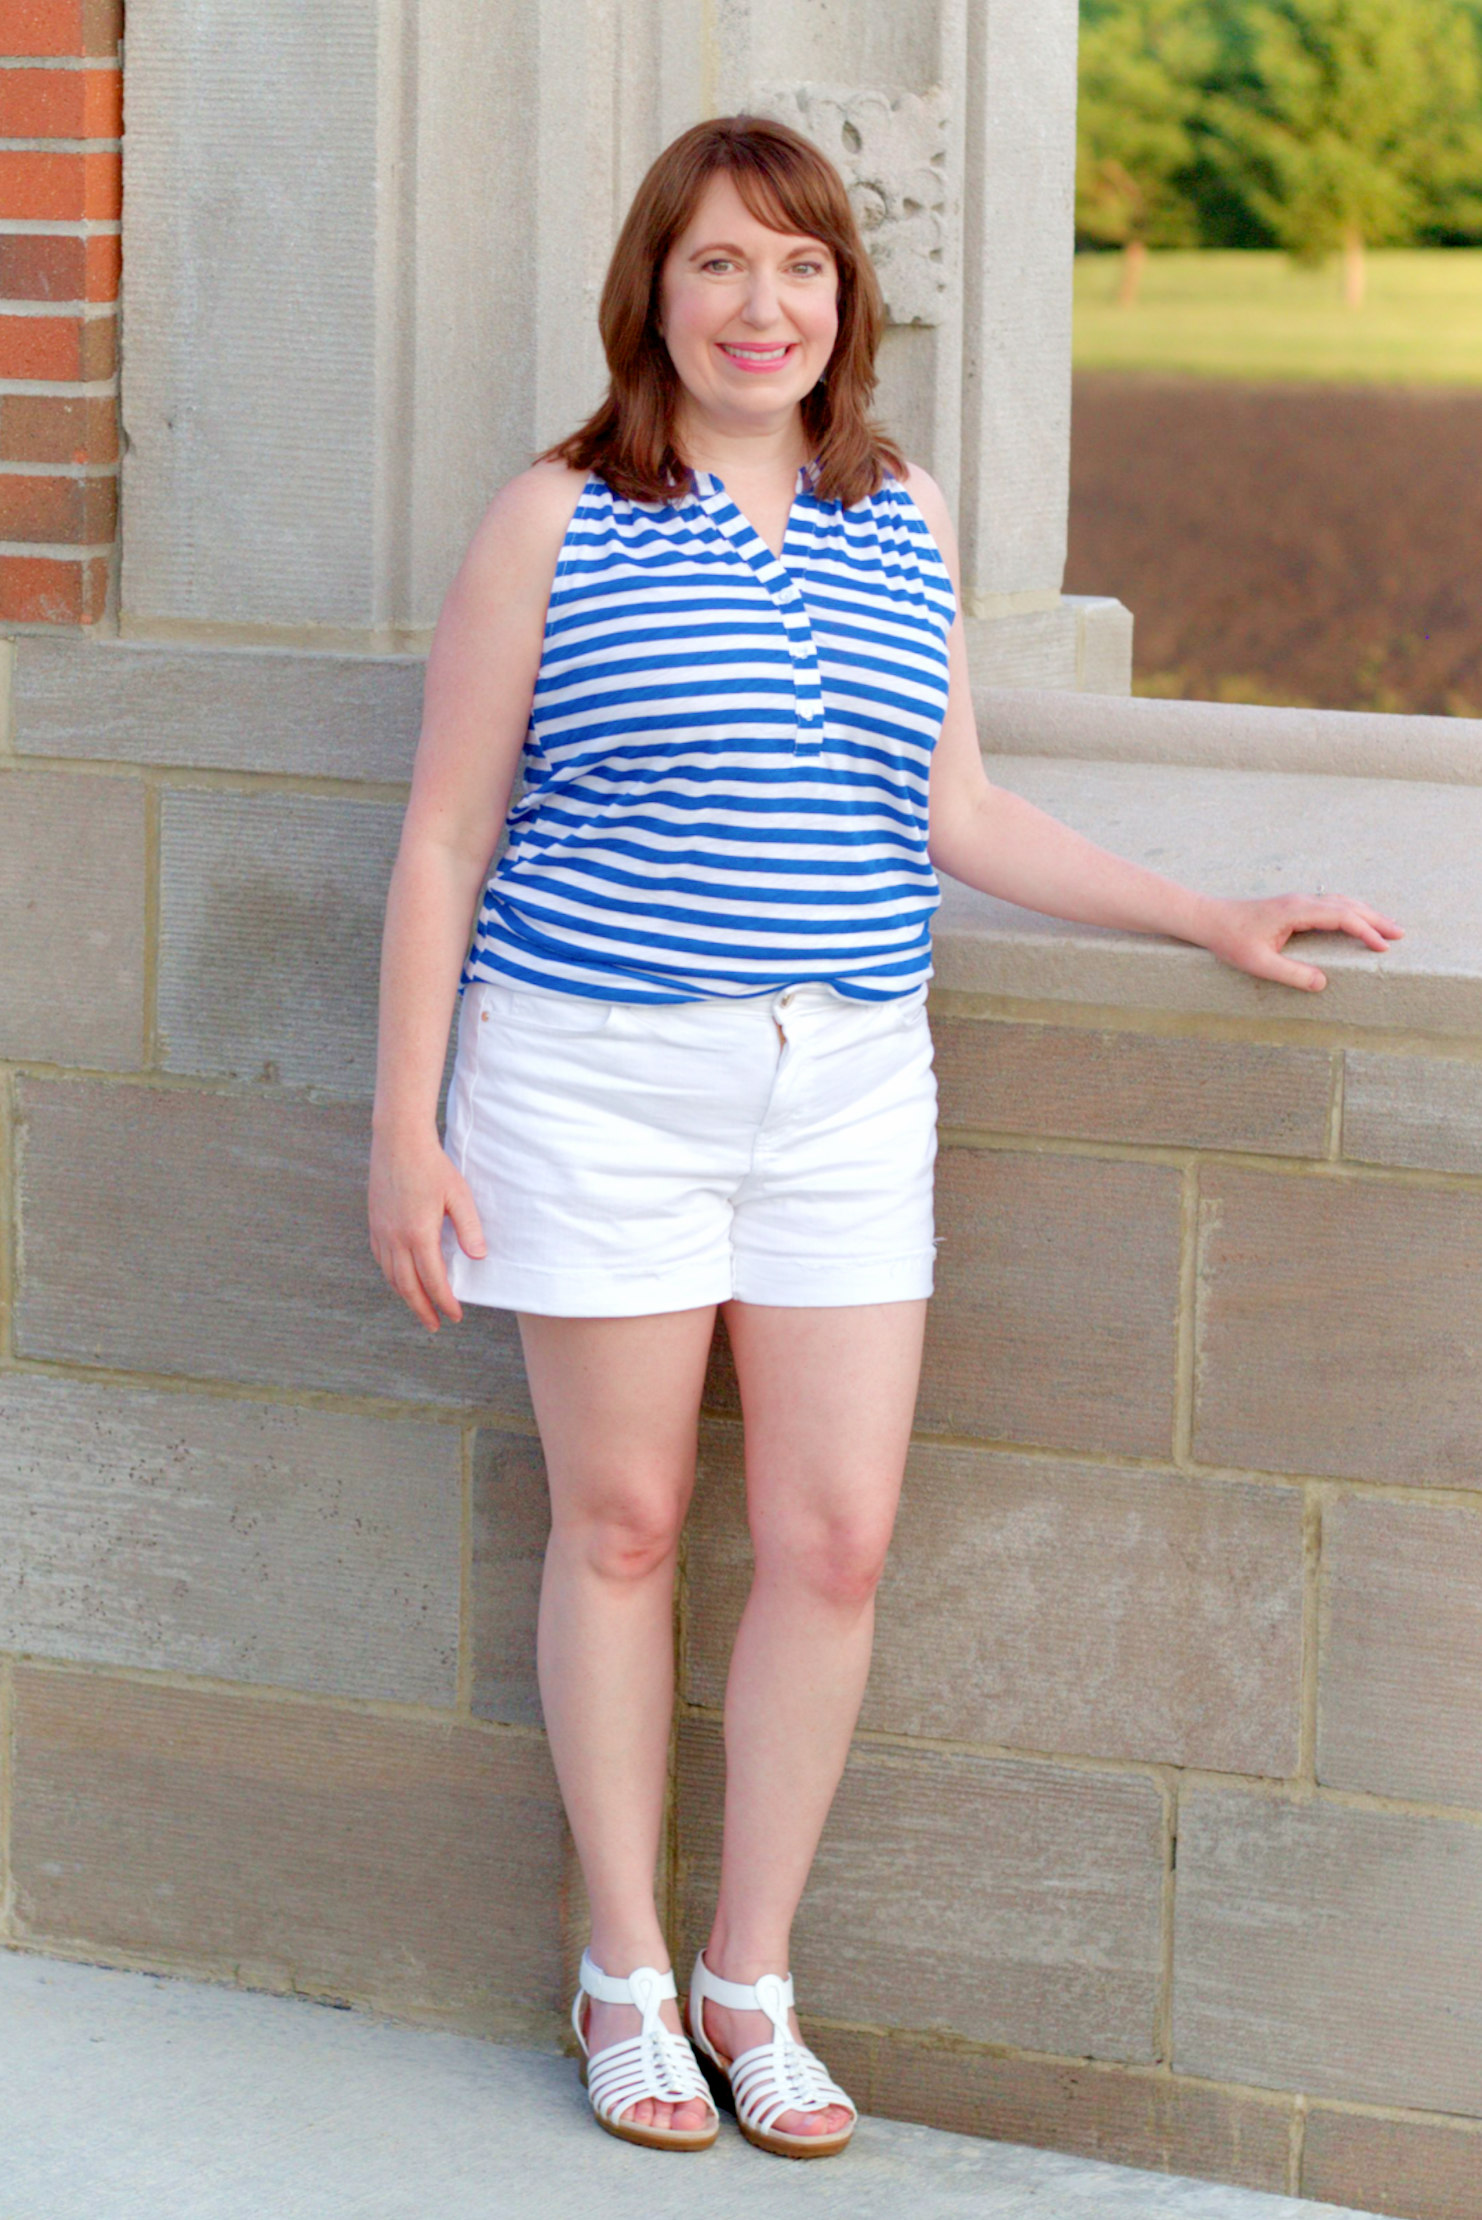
[
  {"x": 828, "y": 1397},
  {"x": 617, "y": 1402}
]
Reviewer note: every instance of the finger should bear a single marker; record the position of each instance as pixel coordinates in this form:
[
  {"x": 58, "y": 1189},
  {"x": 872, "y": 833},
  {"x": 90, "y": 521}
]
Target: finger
[
  {"x": 1265, "y": 963},
  {"x": 433, "y": 1275},
  {"x": 1377, "y": 917},
  {"x": 1338, "y": 917},
  {"x": 465, "y": 1217},
  {"x": 1362, "y": 930},
  {"x": 1342, "y": 907},
  {"x": 1353, "y": 917},
  {"x": 409, "y": 1287},
  {"x": 1327, "y": 916}
]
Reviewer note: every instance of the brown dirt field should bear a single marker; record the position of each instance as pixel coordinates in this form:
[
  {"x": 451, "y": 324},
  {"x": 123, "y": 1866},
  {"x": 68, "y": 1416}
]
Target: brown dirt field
[{"x": 1302, "y": 544}]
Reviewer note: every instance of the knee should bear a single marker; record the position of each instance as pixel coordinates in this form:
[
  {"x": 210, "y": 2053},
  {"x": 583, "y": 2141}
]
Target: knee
[
  {"x": 624, "y": 1534},
  {"x": 838, "y": 1561}
]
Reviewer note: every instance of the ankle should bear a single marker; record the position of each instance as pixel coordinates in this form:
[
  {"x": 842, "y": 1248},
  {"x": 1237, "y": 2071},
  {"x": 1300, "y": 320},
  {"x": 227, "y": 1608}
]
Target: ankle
[
  {"x": 745, "y": 1958},
  {"x": 617, "y": 1950}
]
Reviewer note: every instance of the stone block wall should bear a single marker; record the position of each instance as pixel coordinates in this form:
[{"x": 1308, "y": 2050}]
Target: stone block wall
[{"x": 1161, "y": 1838}]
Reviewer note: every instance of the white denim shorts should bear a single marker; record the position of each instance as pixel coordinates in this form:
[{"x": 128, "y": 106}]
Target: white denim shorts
[{"x": 627, "y": 1158}]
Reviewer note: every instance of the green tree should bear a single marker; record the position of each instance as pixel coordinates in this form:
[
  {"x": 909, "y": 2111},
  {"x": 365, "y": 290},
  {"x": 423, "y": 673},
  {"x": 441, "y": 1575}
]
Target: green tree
[
  {"x": 1143, "y": 65},
  {"x": 1352, "y": 123}
]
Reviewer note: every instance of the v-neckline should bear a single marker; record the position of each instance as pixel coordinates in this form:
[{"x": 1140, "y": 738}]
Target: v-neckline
[
  {"x": 725, "y": 523},
  {"x": 708, "y": 483}
]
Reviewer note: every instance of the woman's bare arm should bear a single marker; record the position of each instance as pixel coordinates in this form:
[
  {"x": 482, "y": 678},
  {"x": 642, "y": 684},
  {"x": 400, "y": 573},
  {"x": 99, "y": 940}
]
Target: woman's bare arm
[
  {"x": 998, "y": 842},
  {"x": 481, "y": 673}
]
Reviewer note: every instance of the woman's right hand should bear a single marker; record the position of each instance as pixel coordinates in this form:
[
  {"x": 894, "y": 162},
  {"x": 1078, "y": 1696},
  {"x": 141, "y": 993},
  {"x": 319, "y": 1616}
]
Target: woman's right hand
[{"x": 414, "y": 1184}]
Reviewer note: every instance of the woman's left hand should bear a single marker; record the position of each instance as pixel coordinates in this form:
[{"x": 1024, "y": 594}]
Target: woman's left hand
[{"x": 1250, "y": 935}]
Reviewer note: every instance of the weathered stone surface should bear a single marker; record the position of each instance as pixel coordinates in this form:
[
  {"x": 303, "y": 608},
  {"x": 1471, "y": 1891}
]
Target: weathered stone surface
[
  {"x": 511, "y": 1521},
  {"x": 1057, "y": 1292},
  {"x": 1053, "y": 1607},
  {"x": 1416, "y": 2169},
  {"x": 411, "y": 1866},
  {"x": 1104, "y": 664},
  {"x": 1339, "y": 1328},
  {"x": 1027, "y": 647},
  {"x": 1322, "y": 1946},
  {"x": 1400, "y": 1692},
  {"x": 1086, "y": 1085},
  {"x": 1423, "y": 1110},
  {"x": 1126, "y": 2118},
  {"x": 250, "y": 1541},
  {"x": 1016, "y": 296},
  {"x": 892, "y": 150},
  {"x": 1003, "y": 1901},
  {"x": 224, "y": 1237},
  {"x": 1227, "y": 736},
  {"x": 230, "y": 709},
  {"x": 72, "y": 919},
  {"x": 1405, "y": 847},
  {"x": 271, "y": 913},
  {"x": 259, "y": 272}
]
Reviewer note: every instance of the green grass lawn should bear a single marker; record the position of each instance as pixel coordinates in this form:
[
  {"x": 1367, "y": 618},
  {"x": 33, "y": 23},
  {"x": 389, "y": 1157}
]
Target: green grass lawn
[{"x": 1224, "y": 315}]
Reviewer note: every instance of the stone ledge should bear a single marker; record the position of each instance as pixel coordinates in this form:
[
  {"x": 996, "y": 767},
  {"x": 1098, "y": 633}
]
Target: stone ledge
[
  {"x": 1112, "y": 725},
  {"x": 1076, "y": 641},
  {"x": 309, "y": 712},
  {"x": 1405, "y": 847}
]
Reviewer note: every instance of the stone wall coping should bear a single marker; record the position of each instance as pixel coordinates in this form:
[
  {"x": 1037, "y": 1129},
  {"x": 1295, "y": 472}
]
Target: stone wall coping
[
  {"x": 1232, "y": 799},
  {"x": 1125, "y": 728},
  {"x": 1407, "y": 848}
]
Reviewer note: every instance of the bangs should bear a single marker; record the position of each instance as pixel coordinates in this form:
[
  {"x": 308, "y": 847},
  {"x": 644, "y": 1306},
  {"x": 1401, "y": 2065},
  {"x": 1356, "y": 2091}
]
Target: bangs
[{"x": 786, "y": 194}]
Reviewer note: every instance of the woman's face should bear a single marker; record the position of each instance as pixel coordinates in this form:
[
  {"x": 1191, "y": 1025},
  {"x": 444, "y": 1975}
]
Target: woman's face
[{"x": 749, "y": 315}]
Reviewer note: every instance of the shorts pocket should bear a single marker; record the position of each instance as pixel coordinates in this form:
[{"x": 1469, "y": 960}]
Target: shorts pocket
[
  {"x": 532, "y": 1009},
  {"x": 910, "y": 1006}
]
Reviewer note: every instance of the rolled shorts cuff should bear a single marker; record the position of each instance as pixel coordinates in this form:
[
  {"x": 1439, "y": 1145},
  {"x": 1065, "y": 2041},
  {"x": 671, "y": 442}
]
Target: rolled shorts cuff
[
  {"x": 550, "y": 1293},
  {"x": 837, "y": 1283}
]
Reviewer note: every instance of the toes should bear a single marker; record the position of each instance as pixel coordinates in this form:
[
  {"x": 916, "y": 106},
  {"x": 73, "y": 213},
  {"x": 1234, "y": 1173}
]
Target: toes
[{"x": 830, "y": 2122}]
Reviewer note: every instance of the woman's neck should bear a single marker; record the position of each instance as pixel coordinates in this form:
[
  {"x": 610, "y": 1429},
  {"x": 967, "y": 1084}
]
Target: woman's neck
[{"x": 769, "y": 454}]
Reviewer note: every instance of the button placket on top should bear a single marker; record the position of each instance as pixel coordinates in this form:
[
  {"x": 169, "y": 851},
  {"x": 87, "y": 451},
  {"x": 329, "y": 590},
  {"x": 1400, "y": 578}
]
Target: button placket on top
[{"x": 725, "y": 518}]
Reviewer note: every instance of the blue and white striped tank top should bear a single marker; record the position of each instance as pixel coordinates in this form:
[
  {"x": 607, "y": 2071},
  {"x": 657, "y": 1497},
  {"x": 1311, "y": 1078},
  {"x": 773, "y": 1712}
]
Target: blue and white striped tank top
[{"x": 728, "y": 753}]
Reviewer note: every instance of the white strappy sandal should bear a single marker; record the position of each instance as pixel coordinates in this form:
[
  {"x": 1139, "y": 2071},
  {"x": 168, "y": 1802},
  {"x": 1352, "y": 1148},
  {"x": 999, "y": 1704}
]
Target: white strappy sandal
[
  {"x": 774, "y": 2077},
  {"x": 653, "y": 2063}
]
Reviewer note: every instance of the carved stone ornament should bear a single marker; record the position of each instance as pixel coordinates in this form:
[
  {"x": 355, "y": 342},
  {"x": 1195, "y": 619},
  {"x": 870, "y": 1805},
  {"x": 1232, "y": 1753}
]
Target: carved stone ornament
[{"x": 892, "y": 155}]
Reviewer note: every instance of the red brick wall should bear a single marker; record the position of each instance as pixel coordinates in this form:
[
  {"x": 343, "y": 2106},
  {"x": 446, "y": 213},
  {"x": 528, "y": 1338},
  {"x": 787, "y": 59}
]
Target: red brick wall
[{"x": 61, "y": 120}]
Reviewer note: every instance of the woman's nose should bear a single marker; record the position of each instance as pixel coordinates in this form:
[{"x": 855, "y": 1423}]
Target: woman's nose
[{"x": 761, "y": 301}]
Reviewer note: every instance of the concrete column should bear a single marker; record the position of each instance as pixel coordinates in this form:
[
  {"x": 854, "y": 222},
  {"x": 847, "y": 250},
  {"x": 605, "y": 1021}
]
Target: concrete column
[{"x": 1018, "y": 241}]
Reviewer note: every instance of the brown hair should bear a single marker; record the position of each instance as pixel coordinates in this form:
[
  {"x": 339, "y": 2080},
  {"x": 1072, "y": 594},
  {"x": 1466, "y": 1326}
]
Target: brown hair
[{"x": 790, "y": 186}]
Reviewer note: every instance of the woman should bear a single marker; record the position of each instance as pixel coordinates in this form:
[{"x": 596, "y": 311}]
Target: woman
[{"x": 693, "y": 1064}]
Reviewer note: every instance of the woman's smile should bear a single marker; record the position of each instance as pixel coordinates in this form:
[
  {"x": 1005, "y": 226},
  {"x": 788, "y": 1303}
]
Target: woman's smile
[{"x": 754, "y": 358}]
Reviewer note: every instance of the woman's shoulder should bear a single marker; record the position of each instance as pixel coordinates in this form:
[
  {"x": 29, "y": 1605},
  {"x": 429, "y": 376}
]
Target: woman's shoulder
[
  {"x": 920, "y": 488},
  {"x": 924, "y": 491},
  {"x": 518, "y": 538},
  {"x": 537, "y": 505},
  {"x": 929, "y": 529}
]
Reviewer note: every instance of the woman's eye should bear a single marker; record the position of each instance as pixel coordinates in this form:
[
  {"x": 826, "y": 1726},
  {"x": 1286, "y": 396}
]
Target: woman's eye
[{"x": 717, "y": 262}]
